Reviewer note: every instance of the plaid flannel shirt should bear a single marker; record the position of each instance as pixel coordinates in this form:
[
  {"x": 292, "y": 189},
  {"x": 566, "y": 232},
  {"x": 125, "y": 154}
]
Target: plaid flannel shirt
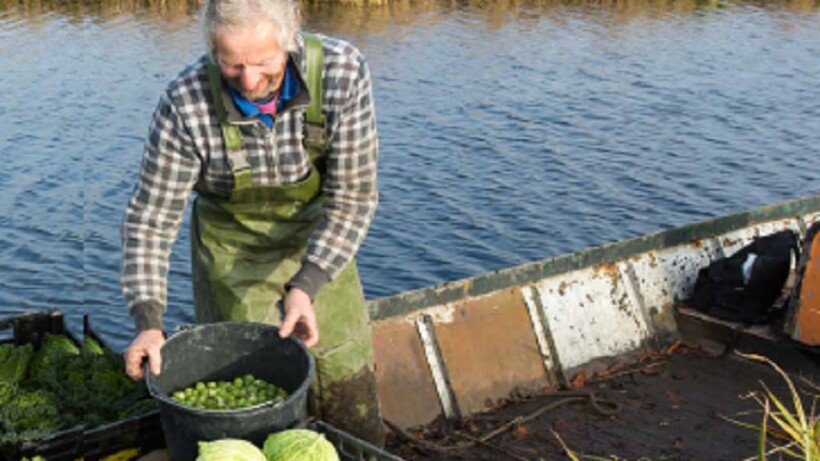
[{"x": 185, "y": 151}]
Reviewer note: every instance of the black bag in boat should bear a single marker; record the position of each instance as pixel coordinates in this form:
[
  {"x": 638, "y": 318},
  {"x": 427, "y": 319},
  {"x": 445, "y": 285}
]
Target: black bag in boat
[{"x": 744, "y": 286}]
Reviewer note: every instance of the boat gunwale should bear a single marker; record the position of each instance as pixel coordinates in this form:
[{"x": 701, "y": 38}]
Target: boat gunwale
[{"x": 408, "y": 302}]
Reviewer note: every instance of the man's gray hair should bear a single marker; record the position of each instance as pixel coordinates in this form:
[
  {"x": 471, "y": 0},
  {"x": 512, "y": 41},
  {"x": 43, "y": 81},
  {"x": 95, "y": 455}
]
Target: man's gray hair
[{"x": 284, "y": 14}]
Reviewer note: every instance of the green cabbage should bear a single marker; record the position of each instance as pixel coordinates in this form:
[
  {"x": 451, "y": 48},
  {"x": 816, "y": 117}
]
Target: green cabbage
[
  {"x": 229, "y": 450},
  {"x": 299, "y": 445}
]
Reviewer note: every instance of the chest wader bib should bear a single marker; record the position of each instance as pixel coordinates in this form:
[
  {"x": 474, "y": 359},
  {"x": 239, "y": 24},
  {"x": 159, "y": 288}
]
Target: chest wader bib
[{"x": 245, "y": 248}]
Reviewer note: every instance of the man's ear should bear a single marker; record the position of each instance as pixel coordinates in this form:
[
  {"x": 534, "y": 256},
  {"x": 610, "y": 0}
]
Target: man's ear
[
  {"x": 292, "y": 39},
  {"x": 295, "y": 27}
]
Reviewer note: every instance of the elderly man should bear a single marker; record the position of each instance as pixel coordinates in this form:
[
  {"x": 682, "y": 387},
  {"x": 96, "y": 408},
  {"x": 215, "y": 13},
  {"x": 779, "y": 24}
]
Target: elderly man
[{"x": 275, "y": 130}]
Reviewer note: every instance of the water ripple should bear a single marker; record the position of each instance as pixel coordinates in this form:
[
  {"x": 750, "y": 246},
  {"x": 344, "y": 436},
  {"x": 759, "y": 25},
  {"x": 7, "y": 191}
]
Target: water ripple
[{"x": 506, "y": 136}]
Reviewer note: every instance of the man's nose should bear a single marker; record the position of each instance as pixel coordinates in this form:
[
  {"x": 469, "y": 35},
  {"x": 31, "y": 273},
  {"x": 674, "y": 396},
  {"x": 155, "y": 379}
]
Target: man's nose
[{"x": 250, "y": 78}]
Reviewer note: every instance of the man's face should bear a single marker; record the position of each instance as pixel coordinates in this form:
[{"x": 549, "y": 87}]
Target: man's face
[{"x": 251, "y": 59}]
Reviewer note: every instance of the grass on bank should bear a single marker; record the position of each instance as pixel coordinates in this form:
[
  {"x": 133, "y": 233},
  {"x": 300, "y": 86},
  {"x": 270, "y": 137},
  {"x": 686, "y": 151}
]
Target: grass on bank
[{"x": 787, "y": 428}]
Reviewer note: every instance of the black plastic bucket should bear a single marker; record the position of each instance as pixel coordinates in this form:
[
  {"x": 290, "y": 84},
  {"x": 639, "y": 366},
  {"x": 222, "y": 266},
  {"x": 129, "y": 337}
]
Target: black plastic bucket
[{"x": 220, "y": 352}]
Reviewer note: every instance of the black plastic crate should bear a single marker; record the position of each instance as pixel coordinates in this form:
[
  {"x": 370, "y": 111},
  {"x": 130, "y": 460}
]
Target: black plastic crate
[
  {"x": 351, "y": 448},
  {"x": 31, "y": 327},
  {"x": 128, "y": 438}
]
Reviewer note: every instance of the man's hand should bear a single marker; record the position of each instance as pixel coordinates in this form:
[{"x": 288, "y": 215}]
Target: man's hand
[
  {"x": 146, "y": 345},
  {"x": 299, "y": 318}
]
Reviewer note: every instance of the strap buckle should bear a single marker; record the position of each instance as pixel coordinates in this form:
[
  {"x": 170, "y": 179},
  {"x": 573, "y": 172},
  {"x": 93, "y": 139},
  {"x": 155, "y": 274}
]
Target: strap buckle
[{"x": 316, "y": 135}]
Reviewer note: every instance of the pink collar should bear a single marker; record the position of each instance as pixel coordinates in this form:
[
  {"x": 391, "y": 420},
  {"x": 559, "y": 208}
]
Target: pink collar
[{"x": 268, "y": 107}]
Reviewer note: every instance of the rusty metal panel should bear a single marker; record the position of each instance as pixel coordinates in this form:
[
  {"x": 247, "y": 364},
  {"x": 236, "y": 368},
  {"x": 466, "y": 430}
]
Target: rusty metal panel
[
  {"x": 808, "y": 308},
  {"x": 403, "y": 382},
  {"x": 590, "y": 316},
  {"x": 490, "y": 350}
]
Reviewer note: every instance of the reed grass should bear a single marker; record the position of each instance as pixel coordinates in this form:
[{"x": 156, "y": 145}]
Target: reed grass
[
  {"x": 787, "y": 427},
  {"x": 174, "y": 9},
  {"x": 167, "y": 9}
]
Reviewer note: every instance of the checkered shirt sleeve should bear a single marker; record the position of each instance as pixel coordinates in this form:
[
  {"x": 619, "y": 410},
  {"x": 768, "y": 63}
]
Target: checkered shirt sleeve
[
  {"x": 350, "y": 182},
  {"x": 169, "y": 170}
]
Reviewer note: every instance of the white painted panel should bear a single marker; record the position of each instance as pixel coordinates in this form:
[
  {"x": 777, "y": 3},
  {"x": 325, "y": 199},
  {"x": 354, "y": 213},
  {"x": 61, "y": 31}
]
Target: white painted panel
[
  {"x": 733, "y": 241},
  {"x": 666, "y": 277},
  {"x": 811, "y": 218},
  {"x": 590, "y": 316},
  {"x": 436, "y": 364},
  {"x": 441, "y": 314},
  {"x": 535, "y": 314}
]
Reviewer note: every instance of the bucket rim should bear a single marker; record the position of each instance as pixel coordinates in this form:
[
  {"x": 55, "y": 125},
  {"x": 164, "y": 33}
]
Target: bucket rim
[{"x": 158, "y": 394}]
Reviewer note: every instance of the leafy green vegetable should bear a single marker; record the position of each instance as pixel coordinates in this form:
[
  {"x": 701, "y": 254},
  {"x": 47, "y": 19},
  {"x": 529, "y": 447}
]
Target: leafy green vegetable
[
  {"x": 94, "y": 389},
  {"x": 229, "y": 450},
  {"x": 66, "y": 386},
  {"x": 14, "y": 362},
  {"x": 29, "y": 414},
  {"x": 92, "y": 346},
  {"x": 36, "y": 410},
  {"x": 299, "y": 445},
  {"x": 7, "y": 392},
  {"x": 54, "y": 349}
]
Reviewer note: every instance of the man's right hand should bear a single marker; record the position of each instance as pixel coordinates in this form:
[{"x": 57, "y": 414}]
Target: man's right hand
[{"x": 146, "y": 345}]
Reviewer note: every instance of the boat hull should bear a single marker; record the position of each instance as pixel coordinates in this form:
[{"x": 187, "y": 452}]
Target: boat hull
[{"x": 454, "y": 349}]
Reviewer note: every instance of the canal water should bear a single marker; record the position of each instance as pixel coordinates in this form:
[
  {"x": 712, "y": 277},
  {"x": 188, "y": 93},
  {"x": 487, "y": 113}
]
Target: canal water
[{"x": 510, "y": 131}]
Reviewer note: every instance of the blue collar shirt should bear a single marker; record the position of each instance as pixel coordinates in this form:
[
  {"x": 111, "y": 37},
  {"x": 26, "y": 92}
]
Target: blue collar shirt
[{"x": 290, "y": 88}]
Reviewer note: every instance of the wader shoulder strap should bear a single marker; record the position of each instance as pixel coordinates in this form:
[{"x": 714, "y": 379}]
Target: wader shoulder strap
[
  {"x": 315, "y": 125},
  {"x": 230, "y": 133}
]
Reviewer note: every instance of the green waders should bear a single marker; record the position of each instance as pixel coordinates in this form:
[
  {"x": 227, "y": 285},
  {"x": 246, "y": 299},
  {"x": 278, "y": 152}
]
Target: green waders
[{"x": 244, "y": 250}]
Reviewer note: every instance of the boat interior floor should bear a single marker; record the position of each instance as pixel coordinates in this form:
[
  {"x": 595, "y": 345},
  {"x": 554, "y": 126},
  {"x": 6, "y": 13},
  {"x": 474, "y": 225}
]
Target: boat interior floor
[{"x": 678, "y": 403}]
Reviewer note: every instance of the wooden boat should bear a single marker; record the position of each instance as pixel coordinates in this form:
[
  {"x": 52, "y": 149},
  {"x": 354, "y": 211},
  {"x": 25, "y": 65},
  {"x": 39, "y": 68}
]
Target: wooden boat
[{"x": 450, "y": 351}]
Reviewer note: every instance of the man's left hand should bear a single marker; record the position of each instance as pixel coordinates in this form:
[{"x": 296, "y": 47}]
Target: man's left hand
[{"x": 299, "y": 318}]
